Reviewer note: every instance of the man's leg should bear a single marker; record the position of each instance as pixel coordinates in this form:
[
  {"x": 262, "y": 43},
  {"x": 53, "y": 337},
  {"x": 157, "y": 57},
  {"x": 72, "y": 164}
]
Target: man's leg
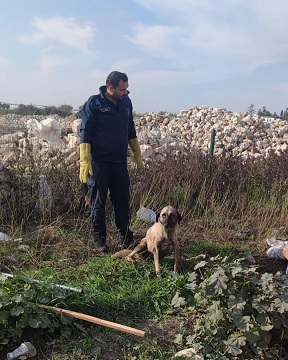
[
  {"x": 98, "y": 204},
  {"x": 120, "y": 198}
]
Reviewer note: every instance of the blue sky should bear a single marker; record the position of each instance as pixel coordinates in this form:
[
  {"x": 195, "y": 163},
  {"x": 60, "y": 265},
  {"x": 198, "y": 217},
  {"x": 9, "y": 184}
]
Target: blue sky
[{"x": 177, "y": 53}]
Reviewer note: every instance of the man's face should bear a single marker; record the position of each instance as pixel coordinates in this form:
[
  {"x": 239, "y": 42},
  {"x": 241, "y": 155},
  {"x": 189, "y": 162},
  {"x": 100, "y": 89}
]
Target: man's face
[{"x": 120, "y": 91}]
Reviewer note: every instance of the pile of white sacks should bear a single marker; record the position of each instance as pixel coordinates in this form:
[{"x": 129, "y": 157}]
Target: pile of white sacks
[{"x": 160, "y": 135}]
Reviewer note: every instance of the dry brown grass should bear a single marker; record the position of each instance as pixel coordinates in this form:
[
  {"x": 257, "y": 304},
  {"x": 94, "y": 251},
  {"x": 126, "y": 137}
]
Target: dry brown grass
[{"x": 223, "y": 200}]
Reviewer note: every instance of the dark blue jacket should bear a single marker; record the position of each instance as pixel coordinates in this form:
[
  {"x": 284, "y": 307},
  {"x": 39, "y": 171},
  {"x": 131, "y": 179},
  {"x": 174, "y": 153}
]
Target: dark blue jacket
[{"x": 107, "y": 127}]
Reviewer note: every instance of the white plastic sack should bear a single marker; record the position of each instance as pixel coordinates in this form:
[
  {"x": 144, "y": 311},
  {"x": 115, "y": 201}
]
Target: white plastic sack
[
  {"x": 48, "y": 129},
  {"x": 276, "y": 248},
  {"x": 146, "y": 215},
  {"x": 4, "y": 236}
]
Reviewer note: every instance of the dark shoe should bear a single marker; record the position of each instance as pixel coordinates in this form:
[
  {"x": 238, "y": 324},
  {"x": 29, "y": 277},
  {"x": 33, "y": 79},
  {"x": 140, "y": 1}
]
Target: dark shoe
[
  {"x": 100, "y": 243},
  {"x": 126, "y": 239}
]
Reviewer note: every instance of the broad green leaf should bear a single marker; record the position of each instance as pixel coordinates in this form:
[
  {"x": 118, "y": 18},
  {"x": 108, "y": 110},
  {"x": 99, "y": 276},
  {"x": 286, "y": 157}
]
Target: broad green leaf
[
  {"x": 260, "y": 307},
  {"x": 192, "y": 276},
  {"x": 214, "y": 313},
  {"x": 234, "y": 343},
  {"x": 4, "y": 301},
  {"x": 236, "y": 340},
  {"x": 242, "y": 322},
  {"x": 29, "y": 293},
  {"x": 252, "y": 336},
  {"x": 234, "y": 350},
  {"x": 3, "y": 278},
  {"x": 178, "y": 301},
  {"x": 219, "y": 281},
  {"x": 191, "y": 286},
  {"x": 18, "y": 298},
  {"x": 215, "y": 258},
  {"x": 280, "y": 305},
  {"x": 5, "y": 341},
  {"x": 264, "y": 322},
  {"x": 35, "y": 322},
  {"x": 262, "y": 344},
  {"x": 65, "y": 319},
  {"x": 237, "y": 270},
  {"x": 200, "y": 264},
  {"x": 178, "y": 339},
  {"x": 4, "y": 315},
  {"x": 236, "y": 303},
  {"x": 45, "y": 321},
  {"x": 17, "y": 310}
]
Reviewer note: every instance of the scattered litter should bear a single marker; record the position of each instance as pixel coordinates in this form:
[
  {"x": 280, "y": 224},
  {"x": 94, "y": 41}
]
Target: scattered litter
[
  {"x": 146, "y": 214},
  {"x": 276, "y": 248},
  {"x": 44, "y": 204},
  {"x": 4, "y": 236},
  {"x": 48, "y": 129},
  {"x": 70, "y": 288},
  {"x": 25, "y": 350}
]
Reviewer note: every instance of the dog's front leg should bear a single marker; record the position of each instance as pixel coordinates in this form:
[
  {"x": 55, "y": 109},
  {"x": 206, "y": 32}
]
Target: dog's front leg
[
  {"x": 177, "y": 256},
  {"x": 156, "y": 261}
]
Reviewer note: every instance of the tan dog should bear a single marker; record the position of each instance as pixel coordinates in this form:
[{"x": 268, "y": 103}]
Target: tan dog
[{"x": 160, "y": 240}]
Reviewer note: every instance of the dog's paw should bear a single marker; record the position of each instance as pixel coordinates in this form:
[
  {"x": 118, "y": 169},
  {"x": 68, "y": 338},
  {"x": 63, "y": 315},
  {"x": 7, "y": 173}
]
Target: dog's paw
[{"x": 130, "y": 260}]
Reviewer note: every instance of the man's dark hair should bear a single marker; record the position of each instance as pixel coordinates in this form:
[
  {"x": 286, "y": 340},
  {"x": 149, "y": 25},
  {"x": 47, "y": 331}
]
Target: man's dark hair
[{"x": 115, "y": 77}]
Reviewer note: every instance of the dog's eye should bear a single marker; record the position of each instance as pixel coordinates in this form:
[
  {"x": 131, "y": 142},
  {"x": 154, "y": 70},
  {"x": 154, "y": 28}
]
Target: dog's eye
[{"x": 163, "y": 215}]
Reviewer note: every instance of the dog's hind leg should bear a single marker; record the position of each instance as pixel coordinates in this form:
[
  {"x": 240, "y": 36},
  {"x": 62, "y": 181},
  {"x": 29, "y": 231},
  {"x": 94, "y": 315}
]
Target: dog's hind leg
[{"x": 138, "y": 248}]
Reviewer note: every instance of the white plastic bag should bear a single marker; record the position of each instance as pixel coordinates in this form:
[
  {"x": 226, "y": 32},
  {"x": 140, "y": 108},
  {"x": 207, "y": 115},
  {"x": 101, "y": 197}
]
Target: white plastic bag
[
  {"x": 146, "y": 215},
  {"x": 48, "y": 129},
  {"x": 276, "y": 248}
]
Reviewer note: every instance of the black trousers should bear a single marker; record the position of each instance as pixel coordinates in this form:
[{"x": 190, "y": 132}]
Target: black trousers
[{"x": 112, "y": 177}]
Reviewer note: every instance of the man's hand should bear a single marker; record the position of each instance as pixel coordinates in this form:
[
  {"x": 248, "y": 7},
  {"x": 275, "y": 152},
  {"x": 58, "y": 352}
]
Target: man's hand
[
  {"x": 135, "y": 147},
  {"x": 85, "y": 162}
]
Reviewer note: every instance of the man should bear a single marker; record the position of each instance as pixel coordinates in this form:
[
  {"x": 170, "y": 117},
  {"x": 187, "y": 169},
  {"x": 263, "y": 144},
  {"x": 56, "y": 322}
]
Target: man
[{"x": 106, "y": 129}]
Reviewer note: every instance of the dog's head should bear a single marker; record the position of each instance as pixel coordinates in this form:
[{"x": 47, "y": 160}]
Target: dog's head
[{"x": 169, "y": 217}]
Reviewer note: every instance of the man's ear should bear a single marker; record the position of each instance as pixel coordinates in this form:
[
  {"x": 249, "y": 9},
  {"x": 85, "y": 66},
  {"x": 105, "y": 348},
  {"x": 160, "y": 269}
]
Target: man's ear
[
  {"x": 110, "y": 89},
  {"x": 157, "y": 217},
  {"x": 179, "y": 217}
]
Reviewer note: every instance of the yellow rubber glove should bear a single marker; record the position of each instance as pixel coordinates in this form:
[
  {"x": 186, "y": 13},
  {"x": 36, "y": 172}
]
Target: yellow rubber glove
[
  {"x": 85, "y": 162},
  {"x": 135, "y": 147}
]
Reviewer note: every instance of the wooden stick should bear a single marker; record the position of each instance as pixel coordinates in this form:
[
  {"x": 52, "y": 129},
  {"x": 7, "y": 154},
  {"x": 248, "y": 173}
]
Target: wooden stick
[{"x": 94, "y": 320}]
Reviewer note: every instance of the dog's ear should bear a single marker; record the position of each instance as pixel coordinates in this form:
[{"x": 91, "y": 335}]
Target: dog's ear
[
  {"x": 179, "y": 217},
  {"x": 157, "y": 217}
]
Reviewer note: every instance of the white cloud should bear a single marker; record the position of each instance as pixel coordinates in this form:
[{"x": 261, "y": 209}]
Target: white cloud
[
  {"x": 169, "y": 79},
  {"x": 61, "y": 30},
  {"x": 126, "y": 64},
  {"x": 184, "y": 6},
  {"x": 3, "y": 60},
  {"x": 251, "y": 32},
  {"x": 155, "y": 40},
  {"x": 50, "y": 62}
]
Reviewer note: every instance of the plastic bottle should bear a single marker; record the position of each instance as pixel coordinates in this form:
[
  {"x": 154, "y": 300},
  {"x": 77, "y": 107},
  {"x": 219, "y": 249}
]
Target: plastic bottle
[{"x": 25, "y": 349}]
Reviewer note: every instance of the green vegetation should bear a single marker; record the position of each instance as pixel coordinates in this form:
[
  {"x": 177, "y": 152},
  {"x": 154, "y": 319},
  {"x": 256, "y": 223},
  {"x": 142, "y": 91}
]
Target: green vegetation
[
  {"x": 21, "y": 109},
  {"x": 229, "y": 208}
]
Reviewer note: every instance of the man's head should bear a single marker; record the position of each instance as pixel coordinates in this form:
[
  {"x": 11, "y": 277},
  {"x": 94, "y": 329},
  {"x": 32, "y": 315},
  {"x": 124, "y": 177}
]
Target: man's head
[{"x": 117, "y": 84}]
